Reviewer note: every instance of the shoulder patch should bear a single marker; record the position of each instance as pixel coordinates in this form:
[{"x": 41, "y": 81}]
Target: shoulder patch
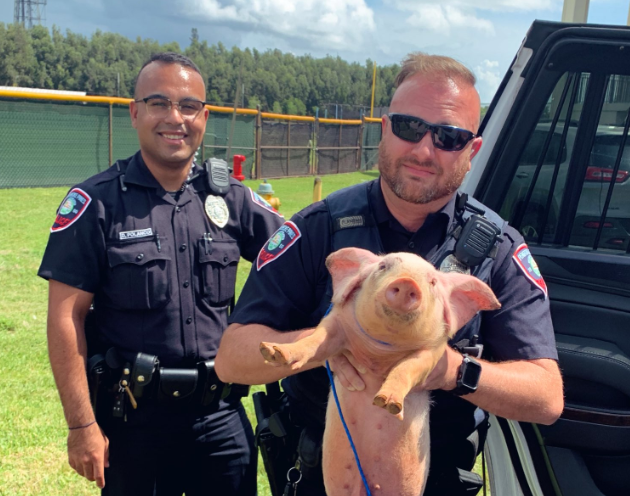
[
  {"x": 260, "y": 201},
  {"x": 278, "y": 243},
  {"x": 525, "y": 261},
  {"x": 71, "y": 208}
]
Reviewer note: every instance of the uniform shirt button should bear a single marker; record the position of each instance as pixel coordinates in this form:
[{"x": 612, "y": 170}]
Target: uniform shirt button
[
  {"x": 183, "y": 247},
  {"x": 188, "y": 320},
  {"x": 186, "y": 284},
  {"x": 140, "y": 257},
  {"x": 177, "y": 209},
  {"x": 225, "y": 259},
  {"x": 411, "y": 245}
]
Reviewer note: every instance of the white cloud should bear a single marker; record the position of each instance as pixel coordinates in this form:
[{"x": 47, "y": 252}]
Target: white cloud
[
  {"x": 485, "y": 5},
  {"x": 330, "y": 24},
  {"x": 444, "y": 18},
  {"x": 465, "y": 16},
  {"x": 488, "y": 76}
]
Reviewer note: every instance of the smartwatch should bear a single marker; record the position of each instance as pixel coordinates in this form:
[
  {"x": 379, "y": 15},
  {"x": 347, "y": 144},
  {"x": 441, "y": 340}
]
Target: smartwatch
[{"x": 468, "y": 376}]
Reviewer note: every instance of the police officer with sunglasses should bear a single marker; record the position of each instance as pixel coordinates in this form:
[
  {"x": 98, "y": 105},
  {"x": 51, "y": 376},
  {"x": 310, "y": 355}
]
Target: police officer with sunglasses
[{"x": 503, "y": 362}]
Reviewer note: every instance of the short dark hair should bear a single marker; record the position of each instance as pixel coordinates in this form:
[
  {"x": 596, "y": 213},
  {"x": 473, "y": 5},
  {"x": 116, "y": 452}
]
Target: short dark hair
[
  {"x": 171, "y": 58},
  {"x": 168, "y": 58}
]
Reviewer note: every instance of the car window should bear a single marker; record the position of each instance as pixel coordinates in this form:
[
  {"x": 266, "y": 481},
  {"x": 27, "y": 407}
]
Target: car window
[
  {"x": 536, "y": 190},
  {"x": 603, "y": 215},
  {"x": 534, "y": 199}
]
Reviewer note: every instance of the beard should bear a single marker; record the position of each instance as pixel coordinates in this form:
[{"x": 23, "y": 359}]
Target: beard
[{"x": 414, "y": 190}]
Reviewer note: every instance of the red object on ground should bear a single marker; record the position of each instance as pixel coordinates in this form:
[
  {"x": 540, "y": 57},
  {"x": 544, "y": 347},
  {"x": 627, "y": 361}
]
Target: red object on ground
[{"x": 238, "y": 167}]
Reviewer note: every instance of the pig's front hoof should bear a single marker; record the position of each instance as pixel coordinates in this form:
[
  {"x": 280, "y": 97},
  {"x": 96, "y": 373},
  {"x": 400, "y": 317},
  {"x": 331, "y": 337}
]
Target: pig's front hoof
[
  {"x": 272, "y": 354},
  {"x": 392, "y": 406},
  {"x": 380, "y": 401}
]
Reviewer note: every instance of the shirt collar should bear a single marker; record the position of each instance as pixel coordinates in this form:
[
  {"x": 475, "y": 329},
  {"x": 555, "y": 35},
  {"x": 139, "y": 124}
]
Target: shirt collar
[
  {"x": 382, "y": 214},
  {"x": 138, "y": 173}
]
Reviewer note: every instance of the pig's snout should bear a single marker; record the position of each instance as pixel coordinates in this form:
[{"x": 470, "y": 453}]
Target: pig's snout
[{"x": 403, "y": 295}]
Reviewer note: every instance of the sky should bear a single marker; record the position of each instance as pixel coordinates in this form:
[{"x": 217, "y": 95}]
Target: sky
[{"x": 483, "y": 34}]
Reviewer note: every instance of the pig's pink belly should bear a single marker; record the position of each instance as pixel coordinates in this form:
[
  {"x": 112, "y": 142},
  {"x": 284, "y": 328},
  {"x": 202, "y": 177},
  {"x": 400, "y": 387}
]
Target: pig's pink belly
[{"x": 394, "y": 453}]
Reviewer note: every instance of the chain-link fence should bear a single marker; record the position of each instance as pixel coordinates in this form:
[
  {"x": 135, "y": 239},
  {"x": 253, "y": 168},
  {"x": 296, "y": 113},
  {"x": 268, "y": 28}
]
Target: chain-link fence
[
  {"x": 286, "y": 147},
  {"x": 239, "y": 130},
  {"x": 60, "y": 142}
]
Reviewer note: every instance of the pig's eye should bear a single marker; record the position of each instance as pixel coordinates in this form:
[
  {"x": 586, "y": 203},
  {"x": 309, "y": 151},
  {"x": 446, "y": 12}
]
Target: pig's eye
[{"x": 382, "y": 266}]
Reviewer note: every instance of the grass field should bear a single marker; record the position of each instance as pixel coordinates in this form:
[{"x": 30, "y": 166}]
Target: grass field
[{"x": 32, "y": 427}]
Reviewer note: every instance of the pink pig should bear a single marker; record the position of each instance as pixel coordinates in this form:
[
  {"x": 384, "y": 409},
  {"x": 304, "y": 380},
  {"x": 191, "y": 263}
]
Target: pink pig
[{"x": 395, "y": 314}]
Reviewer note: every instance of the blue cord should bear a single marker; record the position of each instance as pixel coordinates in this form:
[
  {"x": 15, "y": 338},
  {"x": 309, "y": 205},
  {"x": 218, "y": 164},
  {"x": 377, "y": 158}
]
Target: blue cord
[{"x": 343, "y": 421}]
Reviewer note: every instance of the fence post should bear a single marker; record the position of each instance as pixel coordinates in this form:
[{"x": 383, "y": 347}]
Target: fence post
[
  {"x": 339, "y": 147},
  {"x": 110, "y": 133},
  {"x": 258, "y": 140},
  {"x": 288, "y": 147},
  {"x": 315, "y": 164},
  {"x": 360, "y": 148}
]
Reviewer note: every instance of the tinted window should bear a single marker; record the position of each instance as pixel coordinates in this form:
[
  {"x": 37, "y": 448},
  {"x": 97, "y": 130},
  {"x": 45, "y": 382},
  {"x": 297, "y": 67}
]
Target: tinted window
[
  {"x": 602, "y": 218},
  {"x": 536, "y": 191}
]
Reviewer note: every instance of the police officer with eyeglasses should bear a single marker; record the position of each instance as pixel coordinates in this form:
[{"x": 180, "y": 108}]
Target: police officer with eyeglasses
[
  {"x": 141, "y": 263},
  {"x": 503, "y": 362}
]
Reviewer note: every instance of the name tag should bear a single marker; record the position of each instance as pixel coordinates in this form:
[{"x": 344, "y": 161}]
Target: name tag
[{"x": 140, "y": 233}]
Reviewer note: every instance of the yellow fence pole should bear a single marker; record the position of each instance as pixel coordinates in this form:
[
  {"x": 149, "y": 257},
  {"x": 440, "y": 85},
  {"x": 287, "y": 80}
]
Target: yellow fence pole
[
  {"x": 317, "y": 189},
  {"x": 373, "y": 90}
]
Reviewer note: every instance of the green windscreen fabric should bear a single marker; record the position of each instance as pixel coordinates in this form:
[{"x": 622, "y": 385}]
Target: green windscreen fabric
[
  {"x": 59, "y": 144},
  {"x": 217, "y": 138}
]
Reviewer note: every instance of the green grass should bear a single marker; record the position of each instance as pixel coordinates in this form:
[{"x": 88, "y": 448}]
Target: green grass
[{"x": 33, "y": 432}]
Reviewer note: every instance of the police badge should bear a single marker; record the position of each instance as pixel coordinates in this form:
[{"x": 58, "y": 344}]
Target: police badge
[{"x": 217, "y": 210}]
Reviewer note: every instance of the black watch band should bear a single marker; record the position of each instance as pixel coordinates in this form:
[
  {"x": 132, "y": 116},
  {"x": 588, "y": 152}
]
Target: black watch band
[{"x": 467, "y": 377}]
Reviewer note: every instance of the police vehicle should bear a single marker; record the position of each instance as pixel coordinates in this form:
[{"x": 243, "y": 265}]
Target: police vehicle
[{"x": 556, "y": 163}]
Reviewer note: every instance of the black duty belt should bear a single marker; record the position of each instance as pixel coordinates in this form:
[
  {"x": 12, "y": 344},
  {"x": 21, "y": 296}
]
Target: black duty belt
[{"x": 143, "y": 380}]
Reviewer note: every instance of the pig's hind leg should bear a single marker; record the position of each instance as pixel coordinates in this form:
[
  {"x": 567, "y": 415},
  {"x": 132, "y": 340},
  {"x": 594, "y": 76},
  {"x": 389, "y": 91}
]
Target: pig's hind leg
[{"x": 323, "y": 343}]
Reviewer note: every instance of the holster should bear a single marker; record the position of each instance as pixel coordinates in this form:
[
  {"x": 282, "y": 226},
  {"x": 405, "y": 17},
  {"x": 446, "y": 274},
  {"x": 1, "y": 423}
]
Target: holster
[
  {"x": 96, "y": 376},
  {"x": 210, "y": 387},
  {"x": 274, "y": 438},
  {"x": 144, "y": 367}
]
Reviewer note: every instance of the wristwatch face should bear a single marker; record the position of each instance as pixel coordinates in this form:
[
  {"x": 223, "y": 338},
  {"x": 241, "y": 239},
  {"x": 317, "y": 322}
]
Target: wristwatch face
[
  {"x": 470, "y": 374},
  {"x": 468, "y": 378}
]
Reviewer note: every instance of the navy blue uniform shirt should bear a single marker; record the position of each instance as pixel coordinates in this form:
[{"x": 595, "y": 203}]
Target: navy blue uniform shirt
[
  {"x": 162, "y": 272},
  {"x": 285, "y": 292}
]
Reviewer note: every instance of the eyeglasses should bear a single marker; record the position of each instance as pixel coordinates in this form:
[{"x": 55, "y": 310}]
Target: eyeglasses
[
  {"x": 413, "y": 129},
  {"x": 160, "y": 106}
]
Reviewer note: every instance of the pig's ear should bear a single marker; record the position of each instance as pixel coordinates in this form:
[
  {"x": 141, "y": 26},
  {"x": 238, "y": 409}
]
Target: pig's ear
[
  {"x": 345, "y": 269},
  {"x": 463, "y": 296}
]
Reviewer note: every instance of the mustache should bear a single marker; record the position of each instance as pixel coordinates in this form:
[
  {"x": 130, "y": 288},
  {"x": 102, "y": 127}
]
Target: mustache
[{"x": 411, "y": 160}]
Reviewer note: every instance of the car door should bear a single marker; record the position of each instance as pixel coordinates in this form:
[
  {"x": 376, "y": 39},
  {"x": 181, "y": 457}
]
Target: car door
[{"x": 556, "y": 164}]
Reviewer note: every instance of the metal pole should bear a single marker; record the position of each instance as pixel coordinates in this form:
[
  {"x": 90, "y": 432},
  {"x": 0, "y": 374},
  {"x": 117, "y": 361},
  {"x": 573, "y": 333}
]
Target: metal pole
[
  {"x": 373, "y": 90},
  {"x": 111, "y": 138},
  {"x": 288, "y": 147},
  {"x": 258, "y": 142},
  {"x": 238, "y": 88},
  {"x": 360, "y": 147}
]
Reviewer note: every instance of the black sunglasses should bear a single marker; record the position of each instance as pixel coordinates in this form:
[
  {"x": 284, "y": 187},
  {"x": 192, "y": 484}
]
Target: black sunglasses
[{"x": 413, "y": 129}]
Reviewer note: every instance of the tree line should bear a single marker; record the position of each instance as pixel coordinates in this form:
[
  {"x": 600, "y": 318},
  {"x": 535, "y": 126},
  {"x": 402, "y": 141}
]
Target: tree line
[{"x": 107, "y": 63}]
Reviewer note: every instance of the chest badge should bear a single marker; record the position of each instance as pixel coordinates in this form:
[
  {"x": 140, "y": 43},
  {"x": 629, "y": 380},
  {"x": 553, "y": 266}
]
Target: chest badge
[{"x": 217, "y": 210}]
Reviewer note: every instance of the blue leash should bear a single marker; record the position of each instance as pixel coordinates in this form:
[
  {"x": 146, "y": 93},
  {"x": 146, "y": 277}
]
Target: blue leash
[{"x": 343, "y": 421}]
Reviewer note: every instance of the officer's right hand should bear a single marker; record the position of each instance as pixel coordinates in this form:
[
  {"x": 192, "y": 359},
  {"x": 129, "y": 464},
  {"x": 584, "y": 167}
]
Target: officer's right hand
[
  {"x": 88, "y": 453},
  {"x": 348, "y": 371}
]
